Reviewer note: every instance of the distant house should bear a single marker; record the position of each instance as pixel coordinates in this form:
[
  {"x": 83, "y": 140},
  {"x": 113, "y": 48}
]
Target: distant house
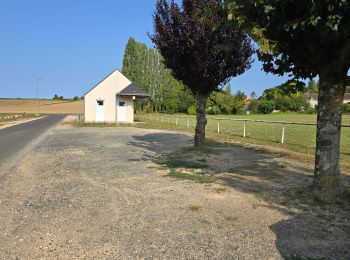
[
  {"x": 312, "y": 98},
  {"x": 112, "y": 100},
  {"x": 247, "y": 102}
]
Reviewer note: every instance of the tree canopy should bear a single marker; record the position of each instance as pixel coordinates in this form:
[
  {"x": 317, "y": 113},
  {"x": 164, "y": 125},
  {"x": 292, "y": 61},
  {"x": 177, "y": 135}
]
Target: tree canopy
[{"x": 298, "y": 37}]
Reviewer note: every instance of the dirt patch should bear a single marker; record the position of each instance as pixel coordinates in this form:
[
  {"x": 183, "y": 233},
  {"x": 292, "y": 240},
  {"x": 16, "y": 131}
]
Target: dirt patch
[{"x": 105, "y": 193}]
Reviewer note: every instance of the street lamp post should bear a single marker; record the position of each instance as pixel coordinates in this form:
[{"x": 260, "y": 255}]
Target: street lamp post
[{"x": 37, "y": 95}]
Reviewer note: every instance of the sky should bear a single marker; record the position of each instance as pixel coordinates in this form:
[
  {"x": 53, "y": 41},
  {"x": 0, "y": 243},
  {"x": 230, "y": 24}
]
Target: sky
[{"x": 73, "y": 44}]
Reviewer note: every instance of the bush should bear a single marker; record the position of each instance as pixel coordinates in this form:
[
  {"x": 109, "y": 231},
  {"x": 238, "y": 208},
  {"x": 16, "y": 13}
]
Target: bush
[
  {"x": 149, "y": 109},
  {"x": 214, "y": 110},
  {"x": 294, "y": 102},
  {"x": 192, "y": 110},
  {"x": 266, "y": 107},
  {"x": 346, "y": 108},
  {"x": 310, "y": 110}
]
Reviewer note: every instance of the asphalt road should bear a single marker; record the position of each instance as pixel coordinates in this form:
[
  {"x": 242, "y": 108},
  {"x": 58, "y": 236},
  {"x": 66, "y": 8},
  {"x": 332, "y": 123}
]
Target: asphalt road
[{"x": 18, "y": 140}]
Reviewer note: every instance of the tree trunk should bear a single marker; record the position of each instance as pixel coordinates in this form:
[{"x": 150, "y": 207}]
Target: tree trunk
[
  {"x": 327, "y": 179},
  {"x": 199, "y": 137}
]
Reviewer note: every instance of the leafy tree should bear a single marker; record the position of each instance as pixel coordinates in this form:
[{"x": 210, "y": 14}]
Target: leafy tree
[
  {"x": 307, "y": 38},
  {"x": 253, "y": 95},
  {"x": 312, "y": 86},
  {"x": 55, "y": 97},
  {"x": 228, "y": 89},
  {"x": 222, "y": 102},
  {"x": 286, "y": 89},
  {"x": 266, "y": 106},
  {"x": 240, "y": 95},
  {"x": 294, "y": 102},
  {"x": 144, "y": 67},
  {"x": 253, "y": 107},
  {"x": 200, "y": 56}
]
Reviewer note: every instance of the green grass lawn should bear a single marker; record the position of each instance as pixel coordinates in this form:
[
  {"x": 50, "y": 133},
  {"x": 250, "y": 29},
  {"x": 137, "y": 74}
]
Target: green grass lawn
[{"x": 300, "y": 137}]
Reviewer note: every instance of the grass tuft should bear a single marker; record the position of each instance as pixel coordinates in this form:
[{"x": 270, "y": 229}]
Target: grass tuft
[
  {"x": 177, "y": 162},
  {"x": 200, "y": 178},
  {"x": 195, "y": 207}
]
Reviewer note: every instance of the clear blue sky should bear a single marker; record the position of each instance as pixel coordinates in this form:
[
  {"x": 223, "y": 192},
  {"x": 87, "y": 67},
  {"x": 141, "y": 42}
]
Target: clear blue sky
[{"x": 73, "y": 44}]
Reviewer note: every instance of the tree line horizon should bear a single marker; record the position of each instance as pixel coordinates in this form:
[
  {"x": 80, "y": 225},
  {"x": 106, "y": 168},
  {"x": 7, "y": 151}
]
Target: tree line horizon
[{"x": 143, "y": 66}]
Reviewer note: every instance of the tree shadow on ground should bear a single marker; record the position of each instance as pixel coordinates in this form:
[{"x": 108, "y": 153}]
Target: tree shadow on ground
[
  {"x": 160, "y": 144},
  {"x": 314, "y": 229}
]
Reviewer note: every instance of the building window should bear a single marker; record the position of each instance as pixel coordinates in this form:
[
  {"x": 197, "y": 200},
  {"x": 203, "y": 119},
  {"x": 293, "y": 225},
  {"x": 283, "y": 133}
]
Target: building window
[
  {"x": 122, "y": 104},
  {"x": 100, "y": 102}
]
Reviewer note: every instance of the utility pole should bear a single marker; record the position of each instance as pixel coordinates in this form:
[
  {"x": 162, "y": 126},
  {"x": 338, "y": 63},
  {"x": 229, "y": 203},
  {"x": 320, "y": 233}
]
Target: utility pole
[{"x": 37, "y": 95}]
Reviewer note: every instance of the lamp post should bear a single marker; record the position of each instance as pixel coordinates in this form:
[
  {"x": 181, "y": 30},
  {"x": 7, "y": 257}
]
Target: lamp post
[{"x": 37, "y": 95}]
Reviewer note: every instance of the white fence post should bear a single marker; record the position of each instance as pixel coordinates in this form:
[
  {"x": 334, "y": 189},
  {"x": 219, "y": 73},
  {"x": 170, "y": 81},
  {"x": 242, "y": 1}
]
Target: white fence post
[
  {"x": 188, "y": 122},
  {"x": 282, "y": 139},
  {"x": 218, "y": 126},
  {"x": 244, "y": 128}
]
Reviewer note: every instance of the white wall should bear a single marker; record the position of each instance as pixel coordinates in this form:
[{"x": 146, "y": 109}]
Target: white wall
[
  {"x": 107, "y": 91},
  {"x": 129, "y": 103}
]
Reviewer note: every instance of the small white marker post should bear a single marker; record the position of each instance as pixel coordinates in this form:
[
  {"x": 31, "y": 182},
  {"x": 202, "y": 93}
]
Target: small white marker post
[
  {"x": 177, "y": 120},
  {"x": 162, "y": 119},
  {"x": 218, "y": 126},
  {"x": 244, "y": 127},
  {"x": 188, "y": 122},
  {"x": 282, "y": 139}
]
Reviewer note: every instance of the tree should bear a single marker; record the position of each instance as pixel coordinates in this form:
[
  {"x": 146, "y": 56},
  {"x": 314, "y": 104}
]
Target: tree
[
  {"x": 144, "y": 66},
  {"x": 305, "y": 39},
  {"x": 266, "y": 106},
  {"x": 228, "y": 89},
  {"x": 312, "y": 87},
  {"x": 203, "y": 57},
  {"x": 253, "y": 95}
]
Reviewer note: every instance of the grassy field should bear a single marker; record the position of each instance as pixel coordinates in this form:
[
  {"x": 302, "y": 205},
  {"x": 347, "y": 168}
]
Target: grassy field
[
  {"x": 298, "y": 138},
  {"x": 46, "y": 106}
]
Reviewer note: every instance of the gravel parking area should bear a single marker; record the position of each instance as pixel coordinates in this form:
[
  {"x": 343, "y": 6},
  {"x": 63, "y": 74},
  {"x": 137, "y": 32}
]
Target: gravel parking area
[{"x": 99, "y": 193}]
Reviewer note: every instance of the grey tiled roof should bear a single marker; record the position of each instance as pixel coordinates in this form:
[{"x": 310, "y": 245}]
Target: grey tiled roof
[{"x": 132, "y": 90}]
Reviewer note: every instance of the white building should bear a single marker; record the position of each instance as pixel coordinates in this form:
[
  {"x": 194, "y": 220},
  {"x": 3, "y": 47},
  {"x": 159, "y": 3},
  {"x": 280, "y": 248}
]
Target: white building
[
  {"x": 312, "y": 98},
  {"x": 112, "y": 100}
]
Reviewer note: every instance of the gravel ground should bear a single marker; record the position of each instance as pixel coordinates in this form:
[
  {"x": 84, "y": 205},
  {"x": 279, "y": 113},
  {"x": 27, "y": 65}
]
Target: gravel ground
[{"x": 98, "y": 193}]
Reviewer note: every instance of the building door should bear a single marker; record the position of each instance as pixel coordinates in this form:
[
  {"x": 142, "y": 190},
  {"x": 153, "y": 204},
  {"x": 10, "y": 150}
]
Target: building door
[
  {"x": 100, "y": 111},
  {"x": 121, "y": 111}
]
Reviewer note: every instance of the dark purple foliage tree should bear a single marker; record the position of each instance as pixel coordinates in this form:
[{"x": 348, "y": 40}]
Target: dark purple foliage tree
[{"x": 197, "y": 46}]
